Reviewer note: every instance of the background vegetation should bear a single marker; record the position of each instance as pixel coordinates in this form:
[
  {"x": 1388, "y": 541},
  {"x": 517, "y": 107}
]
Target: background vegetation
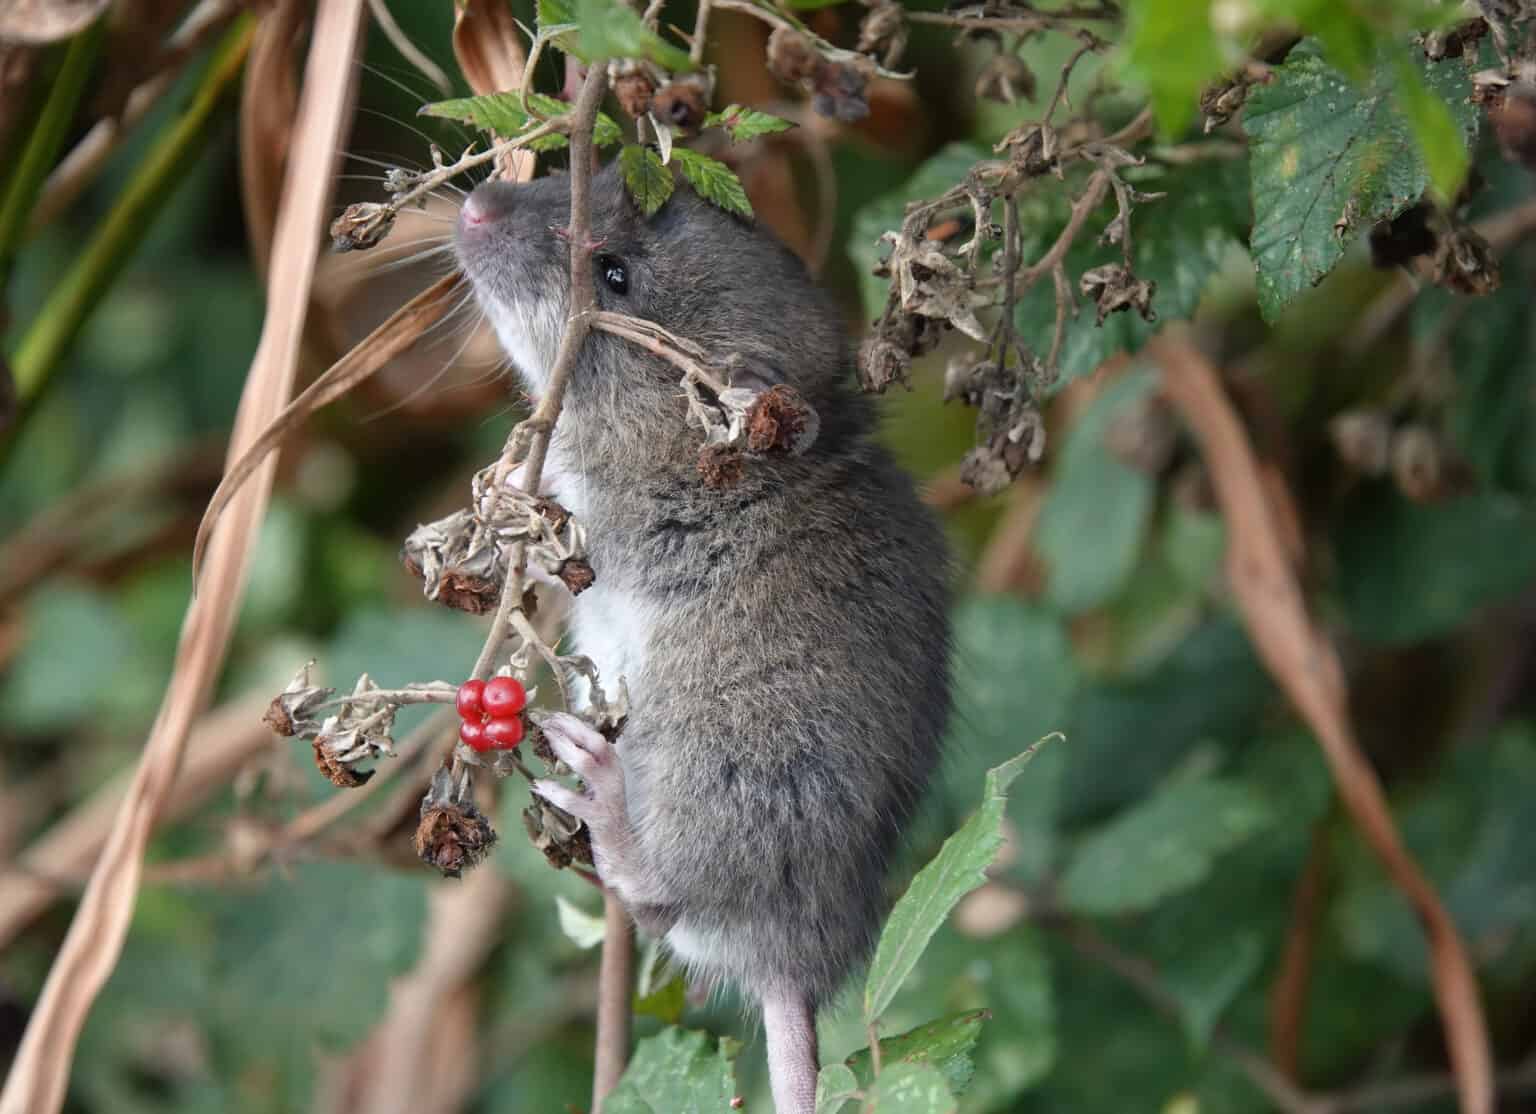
[{"x": 1189, "y": 912}]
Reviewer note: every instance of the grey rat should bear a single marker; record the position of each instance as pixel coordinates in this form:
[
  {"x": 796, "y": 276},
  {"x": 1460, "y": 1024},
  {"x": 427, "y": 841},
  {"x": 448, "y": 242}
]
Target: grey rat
[{"x": 784, "y": 639}]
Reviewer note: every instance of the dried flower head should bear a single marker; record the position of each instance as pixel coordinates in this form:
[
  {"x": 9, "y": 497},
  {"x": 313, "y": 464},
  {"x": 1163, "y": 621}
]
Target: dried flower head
[
  {"x": 453, "y": 834},
  {"x": 884, "y": 32},
  {"x": 720, "y": 465},
  {"x": 1363, "y": 440},
  {"x": 361, "y": 226},
  {"x": 292, "y": 710},
  {"x": 1114, "y": 287},
  {"x": 633, "y": 84},
  {"x": 780, "y": 421},
  {"x": 881, "y": 363},
  {"x": 1465, "y": 263},
  {"x": 791, "y": 56}
]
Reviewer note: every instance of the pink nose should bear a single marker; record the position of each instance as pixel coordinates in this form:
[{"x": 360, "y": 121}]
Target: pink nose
[{"x": 487, "y": 203}]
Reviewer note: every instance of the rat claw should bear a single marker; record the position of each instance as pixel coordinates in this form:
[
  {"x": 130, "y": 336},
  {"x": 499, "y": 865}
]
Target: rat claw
[{"x": 577, "y": 734}]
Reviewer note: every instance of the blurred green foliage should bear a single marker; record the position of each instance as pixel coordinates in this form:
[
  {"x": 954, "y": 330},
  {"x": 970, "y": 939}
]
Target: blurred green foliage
[{"x": 1167, "y": 835}]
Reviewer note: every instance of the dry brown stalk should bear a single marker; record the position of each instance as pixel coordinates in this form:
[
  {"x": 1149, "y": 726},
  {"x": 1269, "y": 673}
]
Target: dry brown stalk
[
  {"x": 1306, "y": 665},
  {"x": 40, "y": 1072}
]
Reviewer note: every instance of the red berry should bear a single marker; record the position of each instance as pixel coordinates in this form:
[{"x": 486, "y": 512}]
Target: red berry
[
  {"x": 469, "y": 700},
  {"x": 504, "y": 732},
  {"x": 504, "y": 696},
  {"x": 472, "y": 732}
]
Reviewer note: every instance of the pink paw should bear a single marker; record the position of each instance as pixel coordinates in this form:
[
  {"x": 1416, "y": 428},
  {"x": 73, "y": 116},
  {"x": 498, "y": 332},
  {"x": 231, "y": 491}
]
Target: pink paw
[{"x": 600, "y": 803}]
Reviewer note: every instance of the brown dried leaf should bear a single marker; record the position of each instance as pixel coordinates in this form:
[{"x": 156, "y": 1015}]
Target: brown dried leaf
[
  {"x": 47, "y": 21},
  {"x": 1306, "y": 665},
  {"x": 269, "y": 108},
  {"x": 489, "y": 49},
  {"x": 403, "y": 328},
  {"x": 41, "y": 1069}
]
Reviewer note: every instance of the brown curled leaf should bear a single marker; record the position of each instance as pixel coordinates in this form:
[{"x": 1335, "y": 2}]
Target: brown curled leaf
[
  {"x": 576, "y": 575},
  {"x": 489, "y": 48},
  {"x": 1306, "y": 665},
  {"x": 269, "y": 108},
  {"x": 403, "y": 328},
  {"x": 338, "y": 773}
]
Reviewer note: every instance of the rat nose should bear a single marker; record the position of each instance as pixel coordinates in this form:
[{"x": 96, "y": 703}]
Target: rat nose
[{"x": 489, "y": 202}]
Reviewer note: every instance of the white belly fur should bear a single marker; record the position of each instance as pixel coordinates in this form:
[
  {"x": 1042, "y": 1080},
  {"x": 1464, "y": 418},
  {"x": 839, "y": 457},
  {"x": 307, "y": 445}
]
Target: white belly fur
[{"x": 612, "y": 626}]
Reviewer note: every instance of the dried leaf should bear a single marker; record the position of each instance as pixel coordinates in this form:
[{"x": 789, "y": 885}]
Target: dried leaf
[
  {"x": 489, "y": 49},
  {"x": 41, "y": 1069},
  {"x": 403, "y": 328},
  {"x": 269, "y": 108},
  {"x": 1306, "y": 664}
]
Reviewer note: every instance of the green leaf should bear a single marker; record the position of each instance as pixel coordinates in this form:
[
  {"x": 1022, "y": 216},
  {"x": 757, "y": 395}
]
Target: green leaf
[
  {"x": 665, "y": 1003},
  {"x": 1127, "y": 734},
  {"x": 955, "y": 871},
  {"x": 1166, "y": 844},
  {"x": 910, "y": 1089},
  {"x": 746, "y": 123},
  {"x": 1090, "y": 529},
  {"x": 1205, "y": 981},
  {"x": 678, "y": 1071},
  {"x": 947, "y": 1044},
  {"x": 555, "y": 13},
  {"x": 713, "y": 181},
  {"x": 1016, "y": 678},
  {"x": 1442, "y": 145},
  {"x": 503, "y": 114},
  {"x": 1410, "y": 571},
  {"x": 1180, "y": 242},
  {"x": 1172, "y": 50},
  {"x": 611, "y": 29},
  {"x": 835, "y": 1085},
  {"x": 1331, "y": 158},
  {"x": 581, "y": 928},
  {"x": 648, "y": 181}
]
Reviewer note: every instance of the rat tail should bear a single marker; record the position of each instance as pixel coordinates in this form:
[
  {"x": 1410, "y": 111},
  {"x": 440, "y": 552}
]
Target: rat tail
[{"x": 789, "y": 1023}]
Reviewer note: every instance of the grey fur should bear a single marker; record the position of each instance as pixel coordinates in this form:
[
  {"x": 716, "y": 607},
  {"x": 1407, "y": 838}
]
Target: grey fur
[{"x": 791, "y": 692}]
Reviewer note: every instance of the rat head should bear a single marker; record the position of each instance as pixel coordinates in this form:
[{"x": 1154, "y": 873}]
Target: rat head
[{"x": 692, "y": 268}]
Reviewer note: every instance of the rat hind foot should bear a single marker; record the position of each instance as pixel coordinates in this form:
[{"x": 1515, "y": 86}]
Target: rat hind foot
[{"x": 600, "y": 805}]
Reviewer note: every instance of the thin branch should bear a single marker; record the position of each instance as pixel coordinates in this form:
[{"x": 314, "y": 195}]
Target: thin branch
[
  {"x": 615, "y": 980},
  {"x": 700, "y": 26}
]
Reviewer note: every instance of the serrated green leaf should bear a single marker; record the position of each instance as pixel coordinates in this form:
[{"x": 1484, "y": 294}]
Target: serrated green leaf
[
  {"x": 746, "y": 123},
  {"x": 1091, "y": 526},
  {"x": 910, "y": 1089},
  {"x": 648, "y": 181},
  {"x": 555, "y": 13},
  {"x": 1162, "y": 846},
  {"x": 1330, "y": 158},
  {"x": 946, "y": 1044},
  {"x": 1205, "y": 981},
  {"x": 611, "y": 29},
  {"x": 835, "y": 1085},
  {"x": 955, "y": 871},
  {"x": 713, "y": 181},
  {"x": 678, "y": 1071},
  {"x": 503, "y": 114}
]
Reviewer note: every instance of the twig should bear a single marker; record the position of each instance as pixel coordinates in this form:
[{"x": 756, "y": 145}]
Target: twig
[
  {"x": 615, "y": 980},
  {"x": 467, "y": 161},
  {"x": 700, "y": 26},
  {"x": 1288, "y": 994}
]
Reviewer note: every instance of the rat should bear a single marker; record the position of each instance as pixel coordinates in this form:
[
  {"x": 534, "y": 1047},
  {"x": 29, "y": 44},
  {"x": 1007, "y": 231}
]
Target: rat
[{"x": 784, "y": 639}]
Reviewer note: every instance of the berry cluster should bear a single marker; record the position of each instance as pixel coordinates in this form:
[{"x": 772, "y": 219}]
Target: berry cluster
[{"x": 492, "y": 712}]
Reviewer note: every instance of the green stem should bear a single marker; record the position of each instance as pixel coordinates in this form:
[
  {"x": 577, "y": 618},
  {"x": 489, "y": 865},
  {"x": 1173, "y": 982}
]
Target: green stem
[
  {"x": 70, "y": 303},
  {"x": 48, "y": 135}
]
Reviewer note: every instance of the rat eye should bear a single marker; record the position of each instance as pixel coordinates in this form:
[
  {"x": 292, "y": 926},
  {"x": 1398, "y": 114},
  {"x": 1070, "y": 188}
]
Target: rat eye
[{"x": 615, "y": 274}]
